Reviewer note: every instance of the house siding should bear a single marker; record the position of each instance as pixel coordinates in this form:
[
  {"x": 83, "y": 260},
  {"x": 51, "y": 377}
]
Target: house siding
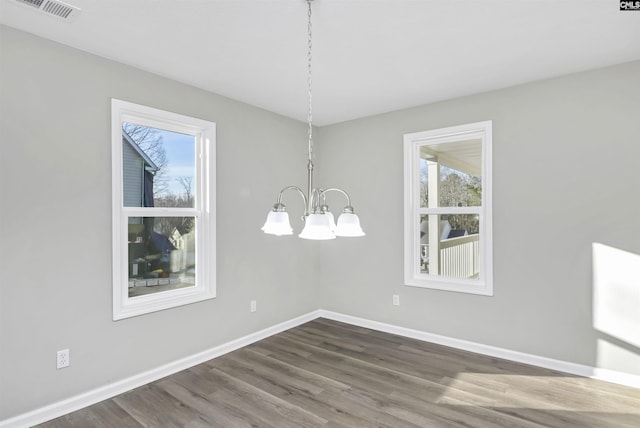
[{"x": 132, "y": 170}]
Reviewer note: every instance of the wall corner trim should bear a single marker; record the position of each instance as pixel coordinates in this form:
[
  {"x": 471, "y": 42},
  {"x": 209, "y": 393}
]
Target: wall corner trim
[{"x": 88, "y": 398}]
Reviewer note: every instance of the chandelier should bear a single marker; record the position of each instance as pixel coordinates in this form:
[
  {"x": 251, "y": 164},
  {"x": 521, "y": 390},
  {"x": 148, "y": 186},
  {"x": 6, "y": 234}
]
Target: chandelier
[{"x": 319, "y": 222}]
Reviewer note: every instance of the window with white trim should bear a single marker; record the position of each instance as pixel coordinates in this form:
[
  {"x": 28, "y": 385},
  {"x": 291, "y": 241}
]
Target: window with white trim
[
  {"x": 447, "y": 202},
  {"x": 163, "y": 184}
]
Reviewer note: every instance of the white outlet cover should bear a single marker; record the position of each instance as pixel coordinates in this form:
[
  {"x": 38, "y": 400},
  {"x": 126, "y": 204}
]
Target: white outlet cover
[{"x": 62, "y": 359}]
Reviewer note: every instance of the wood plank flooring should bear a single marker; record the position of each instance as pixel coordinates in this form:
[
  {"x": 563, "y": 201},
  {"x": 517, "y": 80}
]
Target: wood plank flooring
[{"x": 328, "y": 374}]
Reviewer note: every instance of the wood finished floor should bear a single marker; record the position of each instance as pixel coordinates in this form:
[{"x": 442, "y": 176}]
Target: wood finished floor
[{"x": 328, "y": 374}]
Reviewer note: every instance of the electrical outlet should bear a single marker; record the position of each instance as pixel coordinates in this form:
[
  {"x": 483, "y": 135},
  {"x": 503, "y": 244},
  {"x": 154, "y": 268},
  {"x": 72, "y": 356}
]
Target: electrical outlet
[
  {"x": 253, "y": 306},
  {"x": 63, "y": 359},
  {"x": 396, "y": 300}
]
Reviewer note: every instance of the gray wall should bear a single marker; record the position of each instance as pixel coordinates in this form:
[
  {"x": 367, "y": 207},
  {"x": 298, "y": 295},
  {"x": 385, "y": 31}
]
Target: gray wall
[
  {"x": 132, "y": 171},
  {"x": 566, "y": 165},
  {"x": 55, "y": 225},
  {"x": 565, "y": 161}
]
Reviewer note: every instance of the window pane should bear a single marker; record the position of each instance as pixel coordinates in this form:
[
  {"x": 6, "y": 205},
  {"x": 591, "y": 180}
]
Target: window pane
[
  {"x": 424, "y": 181},
  {"x": 158, "y": 167},
  {"x": 449, "y": 245},
  {"x": 458, "y": 189},
  {"x": 450, "y": 174},
  {"x": 161, "y": 254}
]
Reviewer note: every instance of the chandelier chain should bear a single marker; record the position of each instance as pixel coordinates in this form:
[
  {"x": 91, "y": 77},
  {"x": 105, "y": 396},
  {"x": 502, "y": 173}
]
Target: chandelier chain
[
  {"x": 309, "y": 80},
  {"x": 319, "y": 222}
]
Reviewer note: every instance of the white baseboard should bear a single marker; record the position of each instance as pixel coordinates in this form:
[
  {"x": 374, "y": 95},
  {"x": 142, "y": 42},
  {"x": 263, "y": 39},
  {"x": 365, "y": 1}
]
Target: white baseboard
[
  {"x": 77, "y": 402},
  {"x": 613, "y": 376}
]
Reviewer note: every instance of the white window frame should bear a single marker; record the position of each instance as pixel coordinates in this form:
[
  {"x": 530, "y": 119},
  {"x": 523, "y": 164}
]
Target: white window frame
[
  {"x": 204, "y": 210},
  {"x": 412, "y": 210}
]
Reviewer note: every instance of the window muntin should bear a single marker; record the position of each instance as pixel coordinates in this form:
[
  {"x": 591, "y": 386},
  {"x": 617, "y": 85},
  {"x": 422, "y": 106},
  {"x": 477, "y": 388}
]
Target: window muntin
[
  {"x": 447, "y": 209},
  {"x": 163, "y": 209}
]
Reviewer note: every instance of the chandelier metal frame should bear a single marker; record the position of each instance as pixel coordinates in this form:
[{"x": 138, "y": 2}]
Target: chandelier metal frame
[{"x": 319, "y": 221}]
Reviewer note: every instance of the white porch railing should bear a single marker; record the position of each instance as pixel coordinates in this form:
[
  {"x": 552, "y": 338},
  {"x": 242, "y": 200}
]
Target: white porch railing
[{"x": 459, "y": 257}]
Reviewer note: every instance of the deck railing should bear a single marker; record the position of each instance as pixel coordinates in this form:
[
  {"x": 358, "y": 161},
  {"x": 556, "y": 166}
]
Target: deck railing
[{"x": 459, "y": 257}]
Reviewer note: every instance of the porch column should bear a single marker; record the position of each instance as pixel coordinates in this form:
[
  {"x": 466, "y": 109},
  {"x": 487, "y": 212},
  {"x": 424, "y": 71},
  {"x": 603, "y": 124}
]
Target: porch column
[{"x": 433, "y": 172}]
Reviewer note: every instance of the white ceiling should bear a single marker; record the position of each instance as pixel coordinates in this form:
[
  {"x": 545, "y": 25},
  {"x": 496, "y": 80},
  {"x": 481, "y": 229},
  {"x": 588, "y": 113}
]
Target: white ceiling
[{"x": 370, "y": 56}]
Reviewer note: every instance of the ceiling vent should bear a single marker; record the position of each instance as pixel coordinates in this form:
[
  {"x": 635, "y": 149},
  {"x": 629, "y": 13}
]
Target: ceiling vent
[{"x": 53, "y": 8}]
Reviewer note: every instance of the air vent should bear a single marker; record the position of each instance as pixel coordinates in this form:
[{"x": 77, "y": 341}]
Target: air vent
[
  {"x": 53, "y": 8},
  {"x": 34, "y": 3}
]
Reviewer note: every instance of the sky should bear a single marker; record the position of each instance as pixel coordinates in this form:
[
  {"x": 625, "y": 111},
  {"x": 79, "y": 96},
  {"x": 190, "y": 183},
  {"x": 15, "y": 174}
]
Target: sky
[{"x": 180, "y": 150}]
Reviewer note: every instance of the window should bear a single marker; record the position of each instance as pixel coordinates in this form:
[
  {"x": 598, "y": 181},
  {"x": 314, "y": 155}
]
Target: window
[
  {"x": 163, "y": 175},
  {"x": 447, "y": 200}
]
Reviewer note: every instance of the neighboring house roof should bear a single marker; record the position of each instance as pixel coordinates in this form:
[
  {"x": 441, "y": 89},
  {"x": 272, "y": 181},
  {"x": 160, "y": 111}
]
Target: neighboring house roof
[{"x": 151, "y": 165}]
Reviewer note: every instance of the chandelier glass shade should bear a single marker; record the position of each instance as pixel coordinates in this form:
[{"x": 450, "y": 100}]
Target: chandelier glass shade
[
  {"x": 277, "y": 224},
  {"x": 317, "y": 226},
  {"x": 319, "y": 221}
]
